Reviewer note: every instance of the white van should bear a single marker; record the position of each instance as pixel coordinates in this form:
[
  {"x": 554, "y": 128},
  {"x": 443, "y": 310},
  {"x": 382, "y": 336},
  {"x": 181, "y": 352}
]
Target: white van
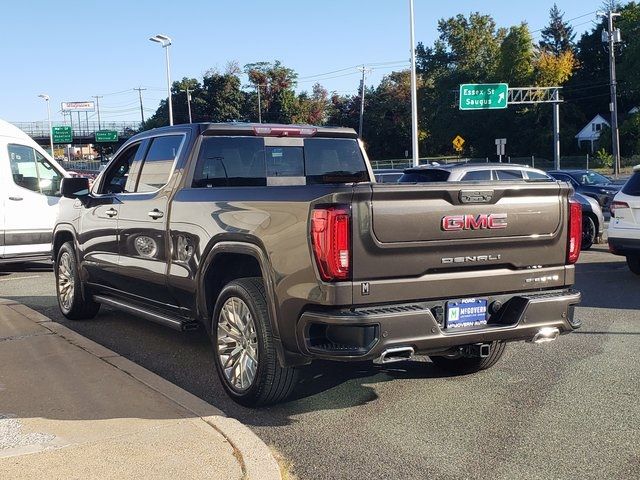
[{"x": 29, "y": 193}]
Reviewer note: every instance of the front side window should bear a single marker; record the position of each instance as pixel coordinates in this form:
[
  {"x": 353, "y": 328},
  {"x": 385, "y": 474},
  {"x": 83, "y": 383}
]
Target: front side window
[
  {"x": 31, "y": 170},
  {"x": 116, "y": 179},
  {"x": 158, "y": 163}
]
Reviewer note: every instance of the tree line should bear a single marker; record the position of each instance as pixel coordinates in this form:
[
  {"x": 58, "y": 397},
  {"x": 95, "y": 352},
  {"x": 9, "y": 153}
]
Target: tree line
[{"x": 469, "y": 49}]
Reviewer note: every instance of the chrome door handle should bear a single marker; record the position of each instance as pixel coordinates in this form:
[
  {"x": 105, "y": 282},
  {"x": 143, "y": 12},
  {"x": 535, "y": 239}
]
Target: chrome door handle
[
  {"x": 16, "y": 199},
  {"x": 155, "y": 214},
  {"x": 112, "y": 212}
]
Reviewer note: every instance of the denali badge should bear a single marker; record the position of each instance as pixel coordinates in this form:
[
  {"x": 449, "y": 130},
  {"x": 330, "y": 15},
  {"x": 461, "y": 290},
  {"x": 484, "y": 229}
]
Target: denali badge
[
  {"x": 491, "y": 221},
  {"x": 471, "y": 259}
]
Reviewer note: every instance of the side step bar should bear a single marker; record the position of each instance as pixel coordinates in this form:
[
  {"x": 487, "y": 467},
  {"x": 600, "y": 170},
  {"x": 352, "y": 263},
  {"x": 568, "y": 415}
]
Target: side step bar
[{"x": 176, "y": 324}]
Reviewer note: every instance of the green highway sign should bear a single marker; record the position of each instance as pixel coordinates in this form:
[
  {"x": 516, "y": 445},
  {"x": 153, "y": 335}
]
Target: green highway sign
[
  {"x": 483, "y": 96},
  {"x": 106, "y": 136},
  {"x": 61, "y": 134}
]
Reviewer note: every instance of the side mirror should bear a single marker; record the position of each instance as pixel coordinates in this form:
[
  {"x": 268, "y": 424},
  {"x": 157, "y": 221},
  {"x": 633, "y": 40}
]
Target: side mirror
[{"x": 74, "y": 187}]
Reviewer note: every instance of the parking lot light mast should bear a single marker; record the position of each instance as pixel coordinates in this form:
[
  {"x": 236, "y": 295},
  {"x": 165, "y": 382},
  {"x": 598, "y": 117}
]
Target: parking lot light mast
[
  {"x": 414, "y": 99},
  {"x": 46, "y": 99},
  {"x": 166, "y": 42}
]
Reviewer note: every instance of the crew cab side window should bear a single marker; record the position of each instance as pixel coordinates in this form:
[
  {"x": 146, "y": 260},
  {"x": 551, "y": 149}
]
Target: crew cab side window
[
  {"x": 158, "y": 163},
  {"x": 230, "y": 162},
  {"x": 117, "y": 178},
  {"x": 31, "y": 170}
]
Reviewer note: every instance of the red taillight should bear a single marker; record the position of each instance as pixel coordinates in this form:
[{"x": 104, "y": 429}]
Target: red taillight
[
  {"x": 615, "y": 204},
  {"x": 575, "y": 232},
  {"x": 330, "y": 236}
]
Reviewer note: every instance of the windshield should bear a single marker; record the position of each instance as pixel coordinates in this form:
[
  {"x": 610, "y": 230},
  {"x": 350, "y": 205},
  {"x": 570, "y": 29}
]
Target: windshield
[{"x": 591, "y": 178}]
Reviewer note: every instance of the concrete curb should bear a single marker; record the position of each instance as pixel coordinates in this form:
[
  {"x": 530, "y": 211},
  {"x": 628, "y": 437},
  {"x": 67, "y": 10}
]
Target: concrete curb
[{"x": 257, "y": 461}]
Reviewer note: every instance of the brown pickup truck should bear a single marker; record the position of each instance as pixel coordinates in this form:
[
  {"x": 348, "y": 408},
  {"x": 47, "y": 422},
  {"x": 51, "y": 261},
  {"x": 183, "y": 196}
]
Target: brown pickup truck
[{"x": 278, "y": 240}]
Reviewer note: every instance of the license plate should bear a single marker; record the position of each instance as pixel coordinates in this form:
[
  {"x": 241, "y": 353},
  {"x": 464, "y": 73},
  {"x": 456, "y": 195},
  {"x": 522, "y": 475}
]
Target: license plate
[{"x": 468, "y": 312}]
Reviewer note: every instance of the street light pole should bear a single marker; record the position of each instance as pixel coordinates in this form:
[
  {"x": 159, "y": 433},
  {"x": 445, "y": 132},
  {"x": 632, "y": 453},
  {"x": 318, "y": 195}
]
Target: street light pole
[
  {"x": 166, "y": 42},
  {"x": 259, "y": 104},
  {"x": 414, "y": 99},
  {"x": 46, "y": 99}
]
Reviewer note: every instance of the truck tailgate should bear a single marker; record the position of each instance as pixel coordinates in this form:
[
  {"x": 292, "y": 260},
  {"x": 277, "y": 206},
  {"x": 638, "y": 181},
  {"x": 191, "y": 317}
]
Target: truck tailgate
[{"x": 411, "y": 230}]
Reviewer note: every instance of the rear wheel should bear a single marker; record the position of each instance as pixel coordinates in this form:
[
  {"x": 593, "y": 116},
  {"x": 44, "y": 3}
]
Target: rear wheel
[
  {"x": 589, "y": 232},
  {"x": 459, "y": 365},
  {"x": 246, "y": 358},
  {"x": 73, "y": 302},
  {"x": 633, "y": 261}
]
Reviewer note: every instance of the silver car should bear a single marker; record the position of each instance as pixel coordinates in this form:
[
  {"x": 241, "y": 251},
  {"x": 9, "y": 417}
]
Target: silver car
[{"x": 592, "y": 217}]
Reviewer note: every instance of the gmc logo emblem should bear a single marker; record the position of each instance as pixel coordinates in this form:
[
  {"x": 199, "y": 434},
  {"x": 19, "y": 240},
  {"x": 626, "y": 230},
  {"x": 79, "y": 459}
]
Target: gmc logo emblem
[{"x": 484, "y": 221}]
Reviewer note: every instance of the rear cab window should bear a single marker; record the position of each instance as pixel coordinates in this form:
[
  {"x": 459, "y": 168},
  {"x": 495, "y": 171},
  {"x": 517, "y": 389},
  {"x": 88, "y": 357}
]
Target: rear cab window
[
  {"x": 632, "y": 187},
  {"x": 248, "y": 162}
]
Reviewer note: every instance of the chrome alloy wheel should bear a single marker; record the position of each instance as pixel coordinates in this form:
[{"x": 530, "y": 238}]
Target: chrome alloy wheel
[
  {"x": 237, "y": 344},
  {"x": 66, "y": 282}
]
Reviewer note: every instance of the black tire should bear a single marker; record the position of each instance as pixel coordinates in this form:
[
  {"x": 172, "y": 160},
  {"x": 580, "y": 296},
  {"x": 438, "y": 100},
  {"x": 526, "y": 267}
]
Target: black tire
[
  {"x": 271, "y": 383},
  {"x": 79, "y": 306},
  {"x": 589, "y": 232},
  {"x": 633, "y": 261},
  {"x": 458, "y": 365}
]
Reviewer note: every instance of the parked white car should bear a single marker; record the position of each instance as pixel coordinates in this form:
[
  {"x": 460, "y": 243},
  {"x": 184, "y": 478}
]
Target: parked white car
[
  {"x": 29, "y": 193},
  {"x": 624, "y": 227}
]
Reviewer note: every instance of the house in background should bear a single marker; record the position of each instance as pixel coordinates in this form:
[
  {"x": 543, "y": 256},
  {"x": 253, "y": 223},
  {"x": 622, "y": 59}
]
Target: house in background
[{"x": 592, "y": 130}]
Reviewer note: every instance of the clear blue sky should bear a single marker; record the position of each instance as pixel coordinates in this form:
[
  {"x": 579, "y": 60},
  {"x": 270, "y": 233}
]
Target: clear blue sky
[{"x": 72, "y": 49}]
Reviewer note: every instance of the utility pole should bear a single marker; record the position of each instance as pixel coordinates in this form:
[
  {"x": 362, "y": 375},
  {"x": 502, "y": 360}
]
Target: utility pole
[
  {"x": 259, "y": 103},
  {"x": 364, "y": 71},
  {"x": 556, "y": 129},
  {"x": 139, "y": 89},
  {"x": 611, "y": 37},
  {"x": 98, "y": 97},
  {"x": 188, "y": 102},
  {"x": 414, "y": 99}
]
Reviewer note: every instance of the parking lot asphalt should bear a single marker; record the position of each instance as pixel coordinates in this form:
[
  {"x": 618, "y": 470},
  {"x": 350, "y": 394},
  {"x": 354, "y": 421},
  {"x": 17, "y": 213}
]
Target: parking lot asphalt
[{"x": 564, "y": 410}]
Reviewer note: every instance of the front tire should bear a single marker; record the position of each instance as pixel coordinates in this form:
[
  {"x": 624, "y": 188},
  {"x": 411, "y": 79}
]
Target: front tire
[
  {"x": 245, "y": 353},
  {"x": 459, "y": 365},
  {"x": 633, "y": 261},
  {"x": 73, "y": 302},
  {"x": 589, "y": 232}
]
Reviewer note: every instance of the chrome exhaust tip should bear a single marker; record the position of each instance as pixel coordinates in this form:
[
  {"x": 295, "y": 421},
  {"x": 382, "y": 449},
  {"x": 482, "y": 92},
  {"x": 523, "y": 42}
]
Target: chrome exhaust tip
[
  {"x": 396, "y": 354},
  {"x": 546, "y": 334}
]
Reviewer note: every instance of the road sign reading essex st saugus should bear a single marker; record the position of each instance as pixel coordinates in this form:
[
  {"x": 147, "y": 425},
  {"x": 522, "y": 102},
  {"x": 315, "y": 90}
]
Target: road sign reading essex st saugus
[
  {"x": 106, "y": 136},
  {"x": 61, "y": 134},
  {"x": 483, "y": 96}
]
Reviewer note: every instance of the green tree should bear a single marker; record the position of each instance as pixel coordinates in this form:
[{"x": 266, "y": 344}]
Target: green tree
[
  {"x": 276, "y": 83},
  {"x": 558, "y": 36},
  {"x": 515, "y": 65}
]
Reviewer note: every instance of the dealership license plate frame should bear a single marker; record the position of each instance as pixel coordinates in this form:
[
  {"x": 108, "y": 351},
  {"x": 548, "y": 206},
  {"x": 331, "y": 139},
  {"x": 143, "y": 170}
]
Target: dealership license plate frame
[{"x": 456, "y": 318}]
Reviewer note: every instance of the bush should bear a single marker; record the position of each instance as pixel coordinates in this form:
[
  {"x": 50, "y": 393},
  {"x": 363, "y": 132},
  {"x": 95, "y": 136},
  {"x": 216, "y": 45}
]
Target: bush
[{"x": 603, "y": 159}]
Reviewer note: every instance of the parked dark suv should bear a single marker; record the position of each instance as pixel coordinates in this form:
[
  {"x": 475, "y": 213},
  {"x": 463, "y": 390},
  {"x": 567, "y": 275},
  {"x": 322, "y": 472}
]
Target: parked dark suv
[
  {"x": 277, "y": 240},
  {"x": 589, "y": 183}
]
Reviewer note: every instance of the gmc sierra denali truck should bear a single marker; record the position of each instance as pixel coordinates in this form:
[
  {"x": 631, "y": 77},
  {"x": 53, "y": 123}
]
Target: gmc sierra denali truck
[{"x": 278, "y": 240}]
